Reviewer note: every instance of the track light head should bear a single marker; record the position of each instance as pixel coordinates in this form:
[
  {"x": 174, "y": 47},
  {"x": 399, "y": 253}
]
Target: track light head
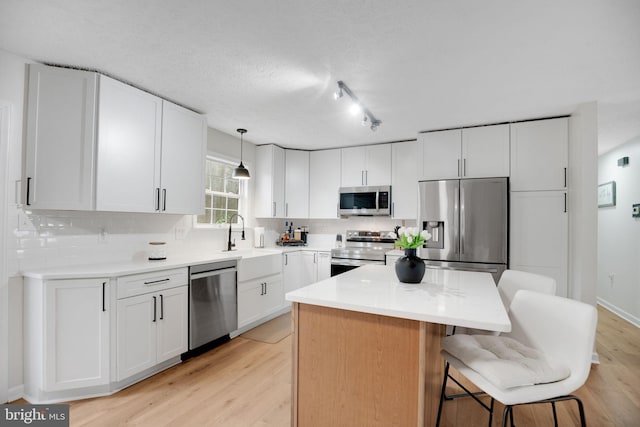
[
  {"x": 338, "y": 94},
  {"x": 364, "y": 120}
]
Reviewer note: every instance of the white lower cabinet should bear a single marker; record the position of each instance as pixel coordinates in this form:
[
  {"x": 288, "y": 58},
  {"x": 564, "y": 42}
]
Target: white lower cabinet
[
  {"x": 260, "y": 291},
  {"x": 324, "y": 265},
  {"x": 302, "y": 268},
  {"x": 259, "y": 298},
  {"x": 151, "y": 326},
  {"x": 66, "y": 330}
]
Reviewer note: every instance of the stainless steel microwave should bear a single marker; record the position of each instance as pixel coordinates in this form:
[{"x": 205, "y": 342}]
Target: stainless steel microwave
[{"x": 365, "y": 201}]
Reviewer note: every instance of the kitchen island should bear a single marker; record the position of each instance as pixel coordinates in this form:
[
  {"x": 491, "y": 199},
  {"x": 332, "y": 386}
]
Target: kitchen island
[{"x": 366, "y": 348}]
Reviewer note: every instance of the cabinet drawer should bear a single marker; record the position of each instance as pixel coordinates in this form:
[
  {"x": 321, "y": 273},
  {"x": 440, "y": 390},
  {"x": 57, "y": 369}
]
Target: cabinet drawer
[{"x": 138, "y": 284}]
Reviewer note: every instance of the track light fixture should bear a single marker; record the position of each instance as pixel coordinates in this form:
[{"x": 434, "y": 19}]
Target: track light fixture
[{"x": 357, "y": 106}]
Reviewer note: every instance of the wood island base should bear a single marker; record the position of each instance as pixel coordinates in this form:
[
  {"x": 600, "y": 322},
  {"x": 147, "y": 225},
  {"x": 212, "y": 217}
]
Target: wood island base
[{"x": 352, "y": 368}]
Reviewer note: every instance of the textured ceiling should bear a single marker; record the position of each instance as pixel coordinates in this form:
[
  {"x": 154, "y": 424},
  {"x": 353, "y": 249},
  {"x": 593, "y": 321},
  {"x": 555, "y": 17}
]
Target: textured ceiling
[{"x": 272, "y": 66}]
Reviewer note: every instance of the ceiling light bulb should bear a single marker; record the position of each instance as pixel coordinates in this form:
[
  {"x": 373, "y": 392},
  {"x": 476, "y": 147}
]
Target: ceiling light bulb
[
  {"x": 364, "y": 121},
  {"x": 374, "y": 127},
  {"x": 355, "y": 108},
  {"x": 338, "y": 94}
]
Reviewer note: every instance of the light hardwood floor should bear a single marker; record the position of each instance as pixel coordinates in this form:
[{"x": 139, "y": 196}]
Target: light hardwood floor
[{"x": 248, "y": 383}]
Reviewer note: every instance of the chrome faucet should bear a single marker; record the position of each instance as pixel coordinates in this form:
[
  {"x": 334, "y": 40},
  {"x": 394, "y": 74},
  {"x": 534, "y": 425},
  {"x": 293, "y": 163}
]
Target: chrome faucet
[{"x": 229, "y": 244}]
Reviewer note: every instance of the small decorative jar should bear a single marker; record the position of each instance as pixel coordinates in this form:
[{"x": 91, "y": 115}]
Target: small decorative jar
[
  {"x": 410, "y": 268},
  {"x": 157, "y": 251}
]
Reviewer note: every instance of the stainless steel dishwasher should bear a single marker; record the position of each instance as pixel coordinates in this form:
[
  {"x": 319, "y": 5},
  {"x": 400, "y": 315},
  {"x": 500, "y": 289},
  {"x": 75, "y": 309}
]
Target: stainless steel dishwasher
[{"x": 213, "y": 302}]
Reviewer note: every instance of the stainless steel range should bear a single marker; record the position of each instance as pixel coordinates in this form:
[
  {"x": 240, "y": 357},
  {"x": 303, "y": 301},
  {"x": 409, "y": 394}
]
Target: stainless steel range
[{"x": 361, "y": 248}]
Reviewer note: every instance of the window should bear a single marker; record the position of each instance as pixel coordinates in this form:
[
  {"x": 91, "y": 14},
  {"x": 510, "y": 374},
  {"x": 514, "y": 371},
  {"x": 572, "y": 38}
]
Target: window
[{"x": 223, "y": 194}]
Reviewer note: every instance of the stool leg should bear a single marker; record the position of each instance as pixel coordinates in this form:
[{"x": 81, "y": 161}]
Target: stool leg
[
  {"x": 555, "y": 414},
  {"x": 505, "y": 415},
  {"x": 491, "y": 411},
  {"x": 442, "y": 393}
]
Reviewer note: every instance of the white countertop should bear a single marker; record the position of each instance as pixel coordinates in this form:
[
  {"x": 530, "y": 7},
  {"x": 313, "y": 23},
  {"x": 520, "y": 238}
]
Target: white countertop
[
  {"x": 461, "y": 298},
  {"x": 123, "y": 268}
]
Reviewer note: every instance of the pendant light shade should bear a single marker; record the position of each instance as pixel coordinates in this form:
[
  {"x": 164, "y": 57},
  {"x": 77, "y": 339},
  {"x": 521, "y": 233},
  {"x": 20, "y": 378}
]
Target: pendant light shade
[{"x": 241, "y": 172}]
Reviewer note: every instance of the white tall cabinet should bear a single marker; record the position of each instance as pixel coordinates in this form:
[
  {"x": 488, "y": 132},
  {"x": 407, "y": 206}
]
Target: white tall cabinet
[
  {"x": 296, "y": 184},
  {"x": 366, "y": 165},
  {"x": 66, "y": 335},
  {"x": 404, "y": 180},
  {"x": 269, "y": 183},
  {"x": 539, "y": 225},
  {"x": 324, "y": 183},
  {"x": 478, "y": 152}
]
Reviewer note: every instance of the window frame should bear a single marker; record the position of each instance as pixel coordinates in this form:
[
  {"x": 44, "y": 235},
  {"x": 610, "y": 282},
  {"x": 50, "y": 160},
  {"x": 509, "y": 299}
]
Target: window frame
[{"x": 242, "y": 196}]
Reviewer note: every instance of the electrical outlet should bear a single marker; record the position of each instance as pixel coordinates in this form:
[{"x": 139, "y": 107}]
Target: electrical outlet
[
  {"x": 180, "y": 233},
  {"x": 103, "y": 236}
]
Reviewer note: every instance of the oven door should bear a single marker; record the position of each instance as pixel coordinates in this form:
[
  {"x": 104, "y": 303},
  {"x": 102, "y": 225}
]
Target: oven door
[{"x": 342, "y": 265}]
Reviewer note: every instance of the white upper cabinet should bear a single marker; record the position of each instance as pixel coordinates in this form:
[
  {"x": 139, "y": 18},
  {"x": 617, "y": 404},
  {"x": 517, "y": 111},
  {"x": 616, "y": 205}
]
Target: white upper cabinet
[
  {"x": 184, "y": 145},
  {"x": 485, "y": 151},
  {"x": 129, "y": 148},
  {"x": 404, "y": 179},
  {"x": 324, "y": 183},
  {"x": 94, "y": 143},
  {"x": 60, "y": 139},
  {"x": 539, "y": 155},
  {"x": 366, "y": 165},
  {"x": 440, "y": 154},
  {"x": 269, "y": 182},
  {"x": 478, "y": 152},
  {"x": 296, "y": 184}
]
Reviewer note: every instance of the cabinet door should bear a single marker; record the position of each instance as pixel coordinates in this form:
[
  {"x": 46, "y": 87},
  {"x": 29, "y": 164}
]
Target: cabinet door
[
  {"x": 324, "y": 265},
  {"x": 250, "y": 295},
  {"x": 76, "y": 338},
  {"x": 184, "y": 139},
  {"x": 273, "y": 299},
  {"x": 60, "y": 138},
  {"x": 539, "y": 235},
  {"x": 324, "y": 183},
  {"x": 292, "y": 270},
  {"x": 539, "y": 155},
  {"x": 352, "y": 166},
  {"x": 296, "y": 184},
  {"x": 378, "y": 170},
  {"x": 129, "y": 131},
  {"x": 269, "y": 182},
  {"x": 172, "y": 323},
  {"x": 441, "y": 154},
  {"x": 485, "y": 152},
  {"x": 136, "y": 334},
  {"x": 404, "y": 180},
  {"x": 309, "y": 268}
]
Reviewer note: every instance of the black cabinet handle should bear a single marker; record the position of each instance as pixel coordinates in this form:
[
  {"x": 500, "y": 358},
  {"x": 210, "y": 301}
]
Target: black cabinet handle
[
  {"x": 157, "y": 198},
  {"x": 154, "y": 309},
  {"x": 565, "y": 202},
  {"x": 28, "y": 189},
  {"x": 565, "y": 177},
  {"x": 161, "y": 307},
  {"x": 265, "y": 288},
  {"x": 104, "y": 285},
  {"x": 157, "y": 281},
  {"x": 164, "y": 199}
]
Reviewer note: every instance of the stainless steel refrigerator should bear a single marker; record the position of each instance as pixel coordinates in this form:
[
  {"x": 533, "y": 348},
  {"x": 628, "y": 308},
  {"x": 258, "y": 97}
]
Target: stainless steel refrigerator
[{"x": 469, "y": 222}]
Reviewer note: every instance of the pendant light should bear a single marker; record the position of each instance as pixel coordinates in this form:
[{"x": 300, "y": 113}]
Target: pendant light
[{"x": 241, "y": 172}]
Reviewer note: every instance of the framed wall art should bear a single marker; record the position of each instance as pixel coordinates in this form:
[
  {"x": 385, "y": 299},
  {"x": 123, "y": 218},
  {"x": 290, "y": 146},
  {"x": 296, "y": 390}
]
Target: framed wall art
[{"x": 607, "y": 194}]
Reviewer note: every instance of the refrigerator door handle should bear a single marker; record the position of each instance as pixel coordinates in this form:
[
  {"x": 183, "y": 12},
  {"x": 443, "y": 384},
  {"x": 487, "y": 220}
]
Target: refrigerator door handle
[
  {"x": 456, "y": 220},
  {"x": 462, "y": 220}
]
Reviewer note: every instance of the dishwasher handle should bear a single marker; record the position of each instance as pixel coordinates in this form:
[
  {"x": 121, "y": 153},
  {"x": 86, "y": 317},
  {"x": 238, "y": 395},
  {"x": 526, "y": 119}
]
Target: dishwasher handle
[{"x": 212, "y": 273}]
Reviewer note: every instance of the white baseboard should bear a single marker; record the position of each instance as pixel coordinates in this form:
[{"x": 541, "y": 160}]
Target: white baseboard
[
  {"x": 635, "y": 321},
  {"x": 15, "y": 393}
]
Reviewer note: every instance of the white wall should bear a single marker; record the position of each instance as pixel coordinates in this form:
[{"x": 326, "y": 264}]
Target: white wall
[{"x": 619, "y": 234}]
